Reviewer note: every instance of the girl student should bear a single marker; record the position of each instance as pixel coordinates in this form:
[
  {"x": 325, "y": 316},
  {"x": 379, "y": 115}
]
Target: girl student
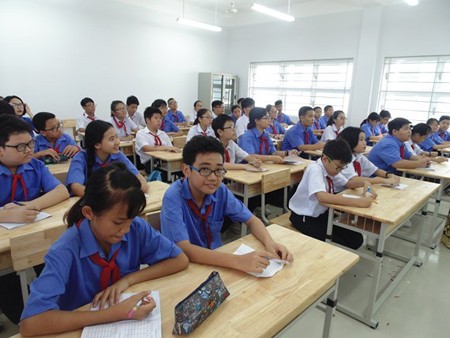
[
  {"x": 275, "y": 129},
  {"x": 256, "y": 140},
  {"x": 334, "y": 126},
  {"x": 370, "y": 127},
  {"x": 21, "y": 109},
  {"x": 202, "y": 125},
  {"x": 98, "y": 257},
  {"x": 121, "y": 122},
  {"x": 102, "y": 149},
  {"x": 360, "y": 165},
  {"x": 419, "y": 133}
]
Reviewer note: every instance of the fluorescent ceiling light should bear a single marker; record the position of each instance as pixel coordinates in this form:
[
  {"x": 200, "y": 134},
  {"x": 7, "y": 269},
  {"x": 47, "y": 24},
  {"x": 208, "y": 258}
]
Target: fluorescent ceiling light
[
  {"x": 198, "y": 24},
  {"x": 272, "y": 12},
  {"x": 412, "y": 2}
]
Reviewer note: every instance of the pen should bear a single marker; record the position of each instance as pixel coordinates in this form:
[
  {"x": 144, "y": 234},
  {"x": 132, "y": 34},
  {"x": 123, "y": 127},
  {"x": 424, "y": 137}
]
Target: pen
[
  {"x": 19, "y": 203},
  {"x": 138, "y": 304}
]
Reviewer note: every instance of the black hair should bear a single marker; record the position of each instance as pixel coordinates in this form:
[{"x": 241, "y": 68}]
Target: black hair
[
  {"x": 150, "y": 111},
  {"x": 247, "y": 102},
  {"x": 114, "y": 105},
  {"x": 373, "y": 116},
  {"x": 201, "y": 145},
  {"x": 351, "y": 136},
  {"x": 219, "y": 123},
  {"x": 216, "y": 104},
  {"x": 94, "y": 133},
  {"x": 170, "y": 99},
  {"x": 421, "y": 129},
  {"x": 159, "y": 103},
  {"x": 107, "y": 187},
  {"x": 444, "y": 117},
  {"x": 327, "y": 107},
  {"x": 195, "y": 103},
  {"x": 338, "y": 150},
  {"x": 240, "y": 100},
  {"x": 85, "y": 101},
  {"x": 132, "y": 100},
  {"x": 6, "y": 108},
  {"x": 278, "y": 102},
  {"x": 10, "y": 97},
  {"x": 317, "y": 107},
  {"x": 385, "y": 114},
  {"x": 397, "y": 124},
  {"x": 269, "y": 107},
  {"x": 40, "y": 119},
  {"x": 334, "y": 117},
  {"x": 303, "y": 110},
  {"x": 10, "y": 125},
  {"x": 234, "y": 107},
  {"x": 432, "y": 120},
  {"x": 200, "y": 113},
  {"x": 256, "y": 114}
]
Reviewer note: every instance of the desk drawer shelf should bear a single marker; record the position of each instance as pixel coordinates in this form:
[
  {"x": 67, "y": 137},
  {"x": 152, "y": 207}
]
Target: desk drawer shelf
[{"x": 359, "y": 222}]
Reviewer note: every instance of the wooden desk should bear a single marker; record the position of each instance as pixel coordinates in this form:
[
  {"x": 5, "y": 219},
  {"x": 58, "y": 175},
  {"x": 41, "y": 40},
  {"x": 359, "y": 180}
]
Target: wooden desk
[
  {"x": 60, "y": 170},
  {"x": 318, "y": 153},
  {"x": 129, "y": 149},
  {"x": 381, "y": 220},
  {"x": 185, "y": 130},
  {"x": 318, "y": 132},
  {"x": 257, "y": 306},
  {"x": 171, "y": 162}
]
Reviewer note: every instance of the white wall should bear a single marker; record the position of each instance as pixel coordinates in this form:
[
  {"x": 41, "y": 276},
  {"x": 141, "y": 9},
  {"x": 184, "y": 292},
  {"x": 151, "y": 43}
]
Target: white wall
[{"x": 54, "y": 53}]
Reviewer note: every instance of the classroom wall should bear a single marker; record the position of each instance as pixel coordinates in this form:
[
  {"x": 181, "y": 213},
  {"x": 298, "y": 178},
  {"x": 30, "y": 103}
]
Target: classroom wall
[{"x": 54, "y": 53}]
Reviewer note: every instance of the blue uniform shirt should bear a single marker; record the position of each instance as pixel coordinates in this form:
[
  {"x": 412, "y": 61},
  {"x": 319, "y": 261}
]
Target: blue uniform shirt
[
  {"x": 323, "y": 121},
  {"x": 283, "y": 118},
  {"x": 387, "y": 152},
  {"x": 316, "y": 125},
  {"x": 370, "y": 131},
  {"x": 78, "y": 170},
  {"x": 70, "y": 279},
  {"x": 250, "y": 142},
  {"x": 30, "y": 123},
  {"x": 295, "y": 137},
  {"x": 427, "y": 144},
  {"x": 60, "y": 144},
  {"x": 179, "y": 223},
  {"x": 36, "y": 176},
  {"x": 278, "y": 128},
  {"x": 383, "y": 128},
  {"x": 438, "y": 137},
  {"x": 169, "y": 126},
  {"x": 234, "y": 118},
  {"x": 178, "y": 118}
]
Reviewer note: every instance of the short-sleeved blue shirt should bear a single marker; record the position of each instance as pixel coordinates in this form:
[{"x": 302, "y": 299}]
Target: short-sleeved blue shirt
[
  {"x": 437, "y": 138},
  {"x": 386, "y": 152},
  {"x": 60, "y": 144},
  {"x": 178, "y": 117},
  {"x": 323, "y": 121},
  {"x": 169, "y": 126},
  {"x": 427, "y": 144},
  {"x": 295, "y": 137},
  {"x": 383, "y": 128},
  {"x": 250, "y": 142},
  {"x": 370, "y": 131},
  {"x": 278, "y": 128},
  {"x": 284, "y": 118}
]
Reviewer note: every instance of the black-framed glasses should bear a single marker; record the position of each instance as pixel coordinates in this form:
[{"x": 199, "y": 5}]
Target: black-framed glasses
[
  {"x": 17, "y": 105},
  {"x": 22, "y": 146},
  {"x": 337, "y": 167},
  {"x": 59, "y": 126},
  {"x": 230, "y": 127},
  {"x": 205, "y": 172}
]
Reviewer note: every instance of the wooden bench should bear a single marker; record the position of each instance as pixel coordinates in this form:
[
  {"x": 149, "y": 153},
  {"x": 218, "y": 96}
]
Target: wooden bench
[{"x": 284, "y": 221}]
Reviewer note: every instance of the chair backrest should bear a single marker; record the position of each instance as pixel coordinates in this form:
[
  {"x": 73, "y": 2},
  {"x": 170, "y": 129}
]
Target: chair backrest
[
  {"x": 275, "y": 180},
  {"x": 28, "y": 250},
  {"x": 154, "y": 219},
  {"x": 179, "y": 141},
  {"x": 71, "y": 124}
]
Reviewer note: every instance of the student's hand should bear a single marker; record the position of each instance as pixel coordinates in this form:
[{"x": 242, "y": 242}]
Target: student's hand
[
  {"x": 369, "y": 191},
  {"x": 433, "y": 153},
  {"x": 28, "y": 110},
  {"x": 393, "y": 180},
  {"x": 256, "y": 163},
  {"x": 144, "y": 187},
  {"x": 281, "y": 251},
  {"x": 175, "y": 150},
  {"x": 423, "y": 162},
  {"x": 20, "y": 214},
  {"x": 50, "y": 152},
  {"x": 293, "y": 152},
  {"x": 277, "y": 159},
  {"x": 70, "y": 151},
  {"x": 364, "y": 202},
  {"x": 285, "y": 125},
  {"x": 255, "y": 261},
  {"x": 439, "y": 159},
  {"x": 124, "y": 310},
  {"x": 111, "y": 294}
]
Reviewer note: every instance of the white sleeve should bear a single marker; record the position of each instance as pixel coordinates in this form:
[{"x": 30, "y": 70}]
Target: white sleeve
[
  {"x": 165, "y": 139},
  {"x": 192, "y": 132},
  {"x": 367, "y": 167},
  {"x": 239, "y": 153},
  {"x": 327, "y": 134},
  {"x": 240, "y": 129},
  {"x": 132, "y": 124},
  {"x": 141, "y": 140},
  {"x": 340, "y": 181},
  {"x": 80, "y": 122}
]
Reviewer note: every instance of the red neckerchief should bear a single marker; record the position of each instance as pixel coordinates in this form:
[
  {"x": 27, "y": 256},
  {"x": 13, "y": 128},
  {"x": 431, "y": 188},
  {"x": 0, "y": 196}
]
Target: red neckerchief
[
  {"x": 206, "y": 227},
  {"x": 264, "y": 143},
  {"x": 330, "y": 185},
  {"x": 402, "y": 151},
  {"x": 158, "y": 141},
  {"x": 18, "y": 177},
  {"x": 120, "y": 124},
  {"x": 357, "y": 167}
]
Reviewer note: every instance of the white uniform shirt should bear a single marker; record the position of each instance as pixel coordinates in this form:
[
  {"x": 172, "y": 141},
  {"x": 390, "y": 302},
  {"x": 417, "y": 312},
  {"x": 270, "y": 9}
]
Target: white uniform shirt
[
  {"x": 84, "y": 120},
  {"x": 413, "y": 147},
  {"x": 330, "y": 133},
  {"x": 138, "y": 119},
  {"x": 237, "y": 154},
  {"x": 126, "y": 129},
  {"x": 197, "y": 130},
  {"x": 304, "y": 201},
  {"x": 367, "y": 169},
  {"x": 144, "y": 138},
  {"x": 241, "y": 125}
]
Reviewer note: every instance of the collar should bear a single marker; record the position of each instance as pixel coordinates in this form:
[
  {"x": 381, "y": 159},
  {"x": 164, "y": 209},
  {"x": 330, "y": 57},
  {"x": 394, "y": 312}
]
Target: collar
[
  {"x": 187, "y": 195},
  {"x": 20, "y": 168},
  {"x": 256, "y": 133},
  {"x": 324, "y": 171},
  {"x": 158, "y": 132},
  {"x": 200, "y": 130},
  {"x": 301, "y": 128},
  {"x": 396, "y": 140},
  {"x": 110, "y": 158}
]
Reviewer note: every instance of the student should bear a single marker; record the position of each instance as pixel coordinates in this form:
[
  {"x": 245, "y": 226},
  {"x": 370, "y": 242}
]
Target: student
[
  {"x": 20, "y": 109},
  {"x": 202, "y": 201},
  {"x": 282, "y": 118},
  {"x": 197, "y": 106},
  {"x": 102, "y": 149},
  {"x": 360, "y": 167},
  {"x": 174, "y": 114},
  {"x": 301, "y": 136},
  {"x": 166, "y": 125},
  {"x": 335, "y": 125},
  {"x": 27, "y": 187},
  {"x": 256, "y": 139},
  {"x": 236, "y": 112},
  {"x": 444, "y": 122},
  {"x": 390, "y": 153},
  {"x": 225, "y": 131},
  {"x": 317, "y": 115},
  {"x": 218, "y": 108},
  {"x": 239, "y": 101},
  {"x": 88, "y": 116},
  {"x": 420, "y": 134},
  {"x": 152, "y": 138},
  {"x": 133, "y": 114},
  {"x": 275, "y": 129},
  {"x": 202, "y": 125},
  {"x": 51, "y": 140},
  {"x": 433, "y": 141},
  {"x": 370, "y": 127},
  {"x": 328, "y": 112},
  {"x": 121, "y": 122},
  {"x": 247, "y": 105},
  {"x": 385, "y": 116},
  {"x": 316, "y": 188},
  {"x": 6, "y": 109},
  {"x": 98, "y": 257}
]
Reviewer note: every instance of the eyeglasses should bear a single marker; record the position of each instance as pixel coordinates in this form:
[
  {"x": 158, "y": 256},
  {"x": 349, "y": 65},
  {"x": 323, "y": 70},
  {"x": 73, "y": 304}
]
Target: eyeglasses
[
  {"x": 206, "y": 117},
  {"x": 230, "y": 127},
  {"x": 22, "y": 146},
  {"x": 341, "y": 118},
  {"x": 205, "y": 172},
  {"x": 265, "y": 117},
  {"x": 90, "y": 105},
  {"x": 17, "y": 105},
  {"x": 120, "y": 109},
  {"x": 59, "y": 126},
  {"x": 337, "y": 167}
]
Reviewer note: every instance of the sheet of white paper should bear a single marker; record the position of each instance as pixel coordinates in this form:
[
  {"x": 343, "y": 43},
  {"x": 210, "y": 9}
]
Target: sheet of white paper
[
  {"x": 400, "y": 186},
  {"x": 295, "y": 160},
  {"x": 272, "y": 269},
  {"x": 42, "y": 215},
  {"x": 427, "y": 169},
  {"x": 149, "y": 327},
  {"x": 251, "y": 168},
  {"x": 350, "y": 196}
]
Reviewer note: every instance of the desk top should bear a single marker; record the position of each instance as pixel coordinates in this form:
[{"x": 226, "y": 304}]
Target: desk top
[
  {"x": 59, "y": 168},
  {"x": 393, "y": 206},
  {"x": 441, "y": 170},
  {"x": 262, "y": 305},
  {"x": 165, "y": 155},
  {"x": 319, "y": 152}
]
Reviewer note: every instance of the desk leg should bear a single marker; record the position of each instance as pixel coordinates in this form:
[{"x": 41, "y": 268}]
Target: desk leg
[
  {"x": 331, "y": 307},
  {"x": 419, "y": 236},
  {"x": 169, "y": 171},
  {"x": 285, "y": 199},
  {"x": 263, "y": 209},
  {"x": 244, "y": 226},
  {"x": 330, "y": 225}
]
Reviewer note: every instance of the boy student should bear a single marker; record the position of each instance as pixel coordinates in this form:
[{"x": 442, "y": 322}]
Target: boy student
[
  {"x": 385, "y": 116},
  {"x": 218, "y": 108},
  {"x": 166, "y": 125},
  {"x": 202, "y": 201},
  {"x": 444, "y": 122},
  {"x": 301, "y": 136},
  {"x": 419, "y": 134},
  {"x": 133, "y": 114},
  {"x": 328, "y": 111},
  {"x": 390, "y": 153},
  {"x": 225, "y": 131},
  {"x": 282, "y": 118},
  {"x": 236, "y": 112},
  {"x": 308, "y": 215},
  {"x": 174, "y": 114},
  {"x": 317, "y": 115},
  {"x": 88, "y": 106},
  {"x": 151, "y": 138},
  {"x": 433, "y": 141},
  {"x": 51, "y": 140},
  {"x": 247, "y": 105},
  {"x": 27, "y": 186}
]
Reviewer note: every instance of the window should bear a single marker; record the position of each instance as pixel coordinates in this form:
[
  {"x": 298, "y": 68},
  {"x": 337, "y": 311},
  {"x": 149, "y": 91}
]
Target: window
[
  {"x": 416, "y": 88},
  {"x": 302, "y": 83}
]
